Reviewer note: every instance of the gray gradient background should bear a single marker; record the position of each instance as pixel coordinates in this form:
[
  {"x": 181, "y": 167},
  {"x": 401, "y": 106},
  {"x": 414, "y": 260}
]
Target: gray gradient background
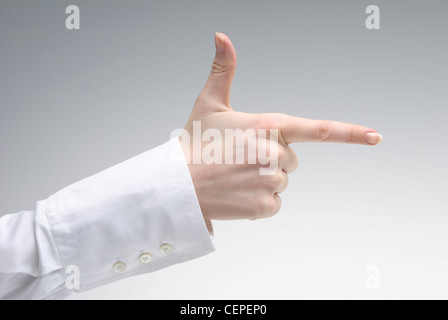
[{"x": 73, "y": 103}]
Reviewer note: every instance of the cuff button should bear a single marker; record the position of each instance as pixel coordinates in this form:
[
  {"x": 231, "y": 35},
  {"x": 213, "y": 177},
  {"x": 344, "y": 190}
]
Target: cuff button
[
  {"x": 166, "y": 248},
  {"x": 119, "y": 267},
  {"x": 145, "y": 258}
]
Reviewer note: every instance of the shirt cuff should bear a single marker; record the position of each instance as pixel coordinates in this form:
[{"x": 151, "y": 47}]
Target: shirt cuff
[{"x": 136, "y": 217}]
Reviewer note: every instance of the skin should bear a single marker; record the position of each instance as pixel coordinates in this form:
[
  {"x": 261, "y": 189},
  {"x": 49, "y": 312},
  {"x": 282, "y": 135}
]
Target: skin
[{"x": 238, "y": 191}]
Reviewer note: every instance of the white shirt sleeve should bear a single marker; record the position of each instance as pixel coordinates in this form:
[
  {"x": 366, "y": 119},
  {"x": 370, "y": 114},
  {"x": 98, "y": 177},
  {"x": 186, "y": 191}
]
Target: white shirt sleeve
[{"x": 136, "y": 217}]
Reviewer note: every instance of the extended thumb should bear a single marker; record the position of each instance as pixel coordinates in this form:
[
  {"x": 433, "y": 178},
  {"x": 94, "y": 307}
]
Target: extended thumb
[{"x": 219, "y": 82}]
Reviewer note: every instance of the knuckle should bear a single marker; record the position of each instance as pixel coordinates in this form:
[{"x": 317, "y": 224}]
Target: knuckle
[
  {"x": 266, "y": 207},
  {"x": 291, "y": 161},
  {"x": 281, "y": 153},
  {"x": 278, "y": 179},
  {"x": 270, "y": 206},
  {"x": 218, "y": 67},
  {"x": 323, "y": 130},
  {"x": 353, "y": 134},
  {"x": 277, "y": 208},
  {"x": 283, "y": 185}
]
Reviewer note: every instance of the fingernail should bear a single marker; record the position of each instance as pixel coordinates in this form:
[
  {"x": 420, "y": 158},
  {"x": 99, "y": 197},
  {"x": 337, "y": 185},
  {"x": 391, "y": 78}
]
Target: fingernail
[
  {"x": 219, "y": 42},
  {"x": 374, "y": 138}
]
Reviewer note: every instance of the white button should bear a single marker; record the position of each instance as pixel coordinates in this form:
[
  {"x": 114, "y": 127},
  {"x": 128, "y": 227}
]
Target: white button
[
  {"x": 145, "y": 258},
  {"x": 119, "y": 267},
  {"x": 166, "y": 248}
]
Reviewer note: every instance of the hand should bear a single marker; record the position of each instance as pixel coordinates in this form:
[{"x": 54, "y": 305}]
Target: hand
[{"x": 239, "y": 191}]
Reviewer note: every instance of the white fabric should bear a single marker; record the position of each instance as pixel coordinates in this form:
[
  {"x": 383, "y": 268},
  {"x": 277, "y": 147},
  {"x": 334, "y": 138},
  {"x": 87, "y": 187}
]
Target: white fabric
[{"x": 115, "y": 215}]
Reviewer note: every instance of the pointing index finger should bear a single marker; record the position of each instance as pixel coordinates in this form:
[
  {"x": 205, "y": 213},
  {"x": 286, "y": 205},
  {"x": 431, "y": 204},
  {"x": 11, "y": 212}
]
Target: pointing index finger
[{"x": 295, "y": 129}]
